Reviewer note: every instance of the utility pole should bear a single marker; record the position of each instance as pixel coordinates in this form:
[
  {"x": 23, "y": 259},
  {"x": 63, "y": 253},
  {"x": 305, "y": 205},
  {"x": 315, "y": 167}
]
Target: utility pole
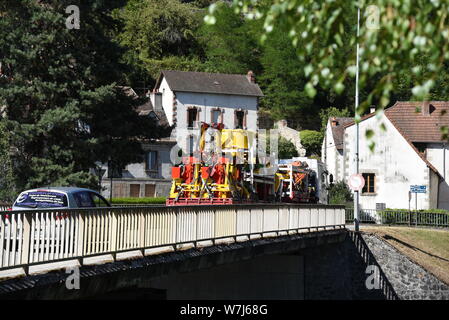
[{"x": 356, "y": 192}]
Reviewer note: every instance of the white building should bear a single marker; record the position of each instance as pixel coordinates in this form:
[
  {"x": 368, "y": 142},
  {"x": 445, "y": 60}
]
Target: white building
[
  {"x": 410, "y": 152},
  {"x": 189, "y": 98},
  {"x": 183, "y": 100},
  {"x": 332, "y": 148}
]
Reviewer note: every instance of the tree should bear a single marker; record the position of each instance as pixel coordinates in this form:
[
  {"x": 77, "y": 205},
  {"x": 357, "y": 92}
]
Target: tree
[
  {"x": 311, "y": 140},
  {"x": 283, "y": 83},
  {"x": 286, "y": 149},
  {"x": 393, "y": 36},
  {"x": 64, "y": 107},
  {"x": 230, "y": 45},
  {"x": 339, "y": 193},
  {"x": 159, "y": 34},
  {"x": 6, "y": 177}
]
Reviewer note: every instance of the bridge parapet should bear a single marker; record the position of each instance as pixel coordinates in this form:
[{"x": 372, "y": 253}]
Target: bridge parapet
[{"x": 34, "y": 242}]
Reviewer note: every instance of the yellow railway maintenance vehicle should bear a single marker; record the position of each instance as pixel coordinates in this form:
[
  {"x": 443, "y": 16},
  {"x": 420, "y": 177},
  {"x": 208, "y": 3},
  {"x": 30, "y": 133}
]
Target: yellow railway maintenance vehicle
[{"x": 227, "y": 170}]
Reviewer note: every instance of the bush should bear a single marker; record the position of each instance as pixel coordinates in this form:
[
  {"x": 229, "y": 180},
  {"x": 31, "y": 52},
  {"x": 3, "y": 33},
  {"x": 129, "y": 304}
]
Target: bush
[
  {"x": 339, "y": 193},
  {"x": 286, "y": 149},
  {"x": 311, "y": 140},
  {"x": 405, "y": 216},
  {"x": 159, "y": 200}
]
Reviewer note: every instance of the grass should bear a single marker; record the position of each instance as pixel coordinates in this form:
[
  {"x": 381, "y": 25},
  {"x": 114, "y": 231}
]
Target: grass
[{"x": 427, "y": 247}]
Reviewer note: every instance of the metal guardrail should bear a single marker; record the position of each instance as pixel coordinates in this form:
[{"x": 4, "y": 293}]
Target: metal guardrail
[
  {"x": 400, "y": 217},
  {"x": 366, "y": 215},
  {"x": 32, "y": 238}
]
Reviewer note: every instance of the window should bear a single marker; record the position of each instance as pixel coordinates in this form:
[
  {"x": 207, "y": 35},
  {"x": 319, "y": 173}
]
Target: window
[
  {"x": 99, "y": 201},
  {"x": 134, "y": 190},
  {"x": 191, "y": 117},
  {"x": 191, "y": 145},
  {"x": 41, "y": 199},
  {"x": 83, "y": 200},
  {"x": 149, "y": 190},
  {"x": 239, "y": 119},
  {"x": 370, "y": 183},
  {"x": 151, "y": 163},
  {"x": 216, "y": 116}
]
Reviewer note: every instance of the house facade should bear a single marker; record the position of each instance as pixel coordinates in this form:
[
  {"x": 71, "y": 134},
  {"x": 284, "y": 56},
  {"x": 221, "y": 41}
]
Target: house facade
[
  {"x": 183, "y": 100},
  {"x": 189, "y": 98},
  {"x": 332, "y": 147},
  {"x": 409, "y": 152}
]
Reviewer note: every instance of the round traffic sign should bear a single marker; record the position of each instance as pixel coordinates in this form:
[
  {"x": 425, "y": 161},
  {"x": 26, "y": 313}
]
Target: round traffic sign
[{"x": 356, "y": 182}]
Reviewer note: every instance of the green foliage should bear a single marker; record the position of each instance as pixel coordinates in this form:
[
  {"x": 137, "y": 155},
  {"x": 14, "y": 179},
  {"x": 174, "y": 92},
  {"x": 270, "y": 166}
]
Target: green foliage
[
  {"x": 287, "y": 149},
  {"x": 64, "y": 108},
  {"x": 339, "y": 193},
  {"x": 159, "y": 34},
  {"x": 311, "y": 140},
  {"x": 324, "y": 34},
  {"x": 230, "y": 45},
  {"x": 7, "y": 191},
  {"x": 420, "y": 217},
  {"x": 157, "y": 200}
]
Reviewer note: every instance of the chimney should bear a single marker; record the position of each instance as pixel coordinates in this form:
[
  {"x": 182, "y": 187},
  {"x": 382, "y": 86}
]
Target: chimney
[
  {"x": 251, "y": 77},
  {"x": 334, "y": 122},
  {"x": 372, "y": 109},
  {"x": 425, "y": 110}
]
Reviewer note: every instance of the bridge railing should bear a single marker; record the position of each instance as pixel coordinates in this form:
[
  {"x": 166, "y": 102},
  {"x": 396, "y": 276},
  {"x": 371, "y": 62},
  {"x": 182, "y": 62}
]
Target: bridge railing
[
  {"x": 33, "y": 238},
  {"x": 401, "y": 217}
]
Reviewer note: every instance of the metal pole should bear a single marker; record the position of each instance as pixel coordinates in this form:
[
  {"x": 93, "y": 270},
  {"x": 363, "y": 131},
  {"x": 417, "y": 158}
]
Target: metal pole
[
  {"x": 110, "y": 187},
  {"x": 356, "y": 193},
  {"x": 416, "y": 201}
]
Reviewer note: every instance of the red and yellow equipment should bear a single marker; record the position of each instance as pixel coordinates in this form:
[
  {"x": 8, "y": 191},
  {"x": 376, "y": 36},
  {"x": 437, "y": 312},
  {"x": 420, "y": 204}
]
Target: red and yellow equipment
[
  {"x": 216, "y": 178},
  {"x": 224, "y": 171}
]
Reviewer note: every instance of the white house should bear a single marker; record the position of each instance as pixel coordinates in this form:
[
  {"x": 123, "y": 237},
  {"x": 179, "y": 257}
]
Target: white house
[
  {"x": 183, "y": 100},
  {"x": 410, "y": 152},
  {"x": 189, "y": 98},
  {"x": 332, "y": 147}
]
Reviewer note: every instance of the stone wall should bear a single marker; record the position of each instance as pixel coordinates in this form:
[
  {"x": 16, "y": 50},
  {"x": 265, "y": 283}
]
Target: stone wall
[{"x": 409, "y": 280}]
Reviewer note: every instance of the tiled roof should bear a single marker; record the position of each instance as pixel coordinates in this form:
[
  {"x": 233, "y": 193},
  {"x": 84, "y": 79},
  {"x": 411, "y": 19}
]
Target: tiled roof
[
  {"x": 414, "y": 126},
  {"x": 147, "y": 108},
  {"x": 338, "y": 131},
  {"x": 215, "y": 83},
  {"x": 417, "y": 126}
]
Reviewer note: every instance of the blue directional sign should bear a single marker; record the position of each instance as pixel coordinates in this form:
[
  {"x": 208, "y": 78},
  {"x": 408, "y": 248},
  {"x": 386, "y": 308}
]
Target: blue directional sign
[{"x": 418, "y": 189}]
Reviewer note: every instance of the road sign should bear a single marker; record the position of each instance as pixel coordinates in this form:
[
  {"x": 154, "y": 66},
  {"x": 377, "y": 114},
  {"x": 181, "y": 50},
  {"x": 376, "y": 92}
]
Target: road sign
[
  {"x": 356, "y": 182},
  {"x": 418, "y": 189}
]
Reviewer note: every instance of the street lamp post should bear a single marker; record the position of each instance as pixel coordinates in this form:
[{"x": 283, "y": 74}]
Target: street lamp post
[{"x": 356, "y": 192}]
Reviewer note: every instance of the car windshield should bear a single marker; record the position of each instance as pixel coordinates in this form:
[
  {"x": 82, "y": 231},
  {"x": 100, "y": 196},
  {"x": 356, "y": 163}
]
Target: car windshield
[{"x": 41, "y": 199}]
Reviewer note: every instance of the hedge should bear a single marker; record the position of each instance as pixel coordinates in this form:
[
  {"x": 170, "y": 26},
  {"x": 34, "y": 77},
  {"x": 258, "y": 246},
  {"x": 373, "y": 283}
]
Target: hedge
[{"x": 159, "y": 200}]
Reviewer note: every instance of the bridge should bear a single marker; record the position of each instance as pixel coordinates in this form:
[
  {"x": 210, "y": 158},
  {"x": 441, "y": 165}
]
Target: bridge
[{"x": 36, "y": 245}]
